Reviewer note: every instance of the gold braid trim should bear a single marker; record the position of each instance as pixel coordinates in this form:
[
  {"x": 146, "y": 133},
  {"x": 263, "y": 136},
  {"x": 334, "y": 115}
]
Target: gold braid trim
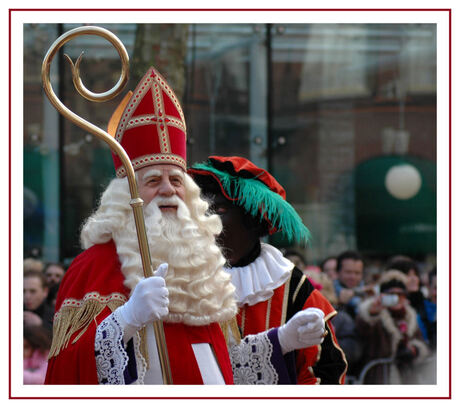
[
  {"x": 285, "y": 302},
  {"x": 231, "y": 325},
  {"x": 337, "y": 346},
  {"x": 297, "y": 289},
  {"x": 143, "y": 347},
  {"x": 330, "y": 315},
  {"x": 267, "y": 316},
  {"x": 76, "y": 315}
]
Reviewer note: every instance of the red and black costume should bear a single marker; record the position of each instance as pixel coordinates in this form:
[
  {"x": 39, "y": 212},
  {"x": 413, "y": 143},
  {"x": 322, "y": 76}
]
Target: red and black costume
[{"x": 269, "y": 289}]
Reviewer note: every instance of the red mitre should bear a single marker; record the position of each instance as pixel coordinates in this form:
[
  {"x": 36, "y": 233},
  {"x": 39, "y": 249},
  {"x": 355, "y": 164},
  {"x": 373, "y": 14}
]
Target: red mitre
[{"x": 151, "y": 127}]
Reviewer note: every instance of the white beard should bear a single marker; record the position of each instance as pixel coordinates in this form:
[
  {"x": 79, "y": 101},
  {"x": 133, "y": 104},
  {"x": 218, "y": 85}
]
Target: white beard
[{"x": 200, "y": 291}]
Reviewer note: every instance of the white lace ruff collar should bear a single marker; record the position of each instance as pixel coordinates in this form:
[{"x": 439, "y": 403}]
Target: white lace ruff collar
[{"x": 256, "y": 282}]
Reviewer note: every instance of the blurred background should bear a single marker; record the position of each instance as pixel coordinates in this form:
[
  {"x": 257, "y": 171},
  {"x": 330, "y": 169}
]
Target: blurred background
[{"x": 343, "y": 115}]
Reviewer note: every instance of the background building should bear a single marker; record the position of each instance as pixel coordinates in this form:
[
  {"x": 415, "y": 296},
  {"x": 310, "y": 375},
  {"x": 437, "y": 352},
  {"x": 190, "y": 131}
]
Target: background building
[{"x": 344, "y": 115}]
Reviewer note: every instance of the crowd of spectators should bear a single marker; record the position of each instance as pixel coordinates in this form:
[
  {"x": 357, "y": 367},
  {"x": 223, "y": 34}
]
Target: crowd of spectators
[
  {"x": 40, "y": 286},
  {"x": 386, "y": 320}
]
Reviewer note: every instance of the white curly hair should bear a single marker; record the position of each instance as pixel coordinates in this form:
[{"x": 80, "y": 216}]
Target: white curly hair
[{"x": 200, "y": 291}]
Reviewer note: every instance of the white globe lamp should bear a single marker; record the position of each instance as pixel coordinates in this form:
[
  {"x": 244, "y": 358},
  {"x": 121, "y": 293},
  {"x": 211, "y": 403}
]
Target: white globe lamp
[{"x": 403, "y": 181}]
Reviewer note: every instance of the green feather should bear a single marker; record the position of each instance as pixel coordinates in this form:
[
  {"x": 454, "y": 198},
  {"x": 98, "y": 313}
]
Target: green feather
[{"x": 252, "y": 194}]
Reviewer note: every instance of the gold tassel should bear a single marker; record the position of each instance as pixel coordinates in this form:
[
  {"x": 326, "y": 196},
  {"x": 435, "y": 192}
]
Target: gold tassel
[
  {"x": 231, "y": 325},
  {"x": 224, "y": 328},
  {"x": 235, "y": 330},
  {"x": 70, "y": 320}
]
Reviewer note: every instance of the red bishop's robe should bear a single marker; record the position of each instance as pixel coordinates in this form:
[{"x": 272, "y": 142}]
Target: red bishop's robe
[{"x": 91, "y": 290}]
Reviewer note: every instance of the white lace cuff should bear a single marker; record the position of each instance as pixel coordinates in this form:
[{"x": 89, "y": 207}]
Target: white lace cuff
[
  {"x": 251, "y": 361},
  {"x": 111, "y": 357},
  {"x": 129, "y": 330}
]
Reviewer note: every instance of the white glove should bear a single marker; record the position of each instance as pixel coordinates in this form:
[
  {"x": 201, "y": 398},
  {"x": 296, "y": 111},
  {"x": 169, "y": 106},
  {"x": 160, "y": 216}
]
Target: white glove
[
  {"x": 149, "y": 301},
  {"x": 304, "y": 329}
]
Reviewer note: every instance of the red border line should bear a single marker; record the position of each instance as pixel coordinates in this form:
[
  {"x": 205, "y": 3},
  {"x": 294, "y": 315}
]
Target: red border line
[
  {"x": 449, "y": 10},
  {"x": 236, "y": 10},
  {"x": 450, "y": 202},
  {"x": 9, "y": 202},
  {"x": 232, "y": 398}
]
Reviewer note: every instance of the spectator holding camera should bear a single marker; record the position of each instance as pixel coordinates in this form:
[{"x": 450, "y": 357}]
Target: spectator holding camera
[
  {"x": 409, "y": 267},
  {"x": 389, "y": 325}
]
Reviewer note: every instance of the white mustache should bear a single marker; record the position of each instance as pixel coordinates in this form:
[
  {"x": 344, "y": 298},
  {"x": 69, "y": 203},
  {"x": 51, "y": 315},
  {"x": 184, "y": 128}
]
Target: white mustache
[{"x": 161, "y": 201}]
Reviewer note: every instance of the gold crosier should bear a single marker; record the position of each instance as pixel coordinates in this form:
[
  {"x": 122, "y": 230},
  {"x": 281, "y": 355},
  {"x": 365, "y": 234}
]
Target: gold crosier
[{"x": 136, "y": 202}]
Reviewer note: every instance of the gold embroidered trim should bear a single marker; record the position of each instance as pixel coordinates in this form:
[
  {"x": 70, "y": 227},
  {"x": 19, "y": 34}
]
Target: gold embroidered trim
[
  {"x": 163, "y": 133},
  {"x": 152, "y": 79},
  {"x": 231, "y": 326},
  {"x": 243, "y": 320},
  {"x": 330, "y": 315},
  {"x": 318, "y": 354},
  {"x": 165, "y": 86},
  {"x": 342, "y": 376},
  {"x": 224, "y": 327},
  {"x": 312, "y": 372},
  {"x": 285, "y": 302},
  {"x": 267, "y": 316},
  {"x": 157, "y": 158},
  {"x": 153, "y": 119},
  {"x": 70, "y": 302},
  {"x": 297, "y": 289},
  {"x": 76, "y": 315},
  {"x": 143, "y": 347},
  {"x": 235, "y": 330}
]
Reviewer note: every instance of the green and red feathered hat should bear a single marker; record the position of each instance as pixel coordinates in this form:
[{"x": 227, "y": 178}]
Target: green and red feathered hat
[
  {"x": 150, "y": 125},
  {"x": 256, "y": 191}
]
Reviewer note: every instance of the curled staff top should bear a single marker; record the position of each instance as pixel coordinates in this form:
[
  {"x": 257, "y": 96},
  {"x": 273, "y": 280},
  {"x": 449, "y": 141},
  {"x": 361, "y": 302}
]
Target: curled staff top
[{"x": 82, "y": 90}]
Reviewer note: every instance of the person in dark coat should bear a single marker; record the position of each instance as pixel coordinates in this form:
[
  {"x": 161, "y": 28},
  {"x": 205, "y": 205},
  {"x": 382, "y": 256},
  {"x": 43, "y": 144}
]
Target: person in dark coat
[{"x": 389, "y": 324}]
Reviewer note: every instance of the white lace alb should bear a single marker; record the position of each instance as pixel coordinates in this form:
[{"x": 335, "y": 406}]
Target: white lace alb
[
  {"x": 111, "y": 357},
  {"x": 251, "y": 358},
  {"x": 256, "y": 282},
  {"x": 251, "y": 361}
]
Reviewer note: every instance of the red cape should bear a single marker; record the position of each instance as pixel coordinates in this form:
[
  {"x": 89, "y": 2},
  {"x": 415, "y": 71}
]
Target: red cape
[{"x": 91, "y": 289}]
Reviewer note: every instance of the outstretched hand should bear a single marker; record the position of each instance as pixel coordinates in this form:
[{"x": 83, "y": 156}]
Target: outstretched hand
[{"x": 305, "y": 329}]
